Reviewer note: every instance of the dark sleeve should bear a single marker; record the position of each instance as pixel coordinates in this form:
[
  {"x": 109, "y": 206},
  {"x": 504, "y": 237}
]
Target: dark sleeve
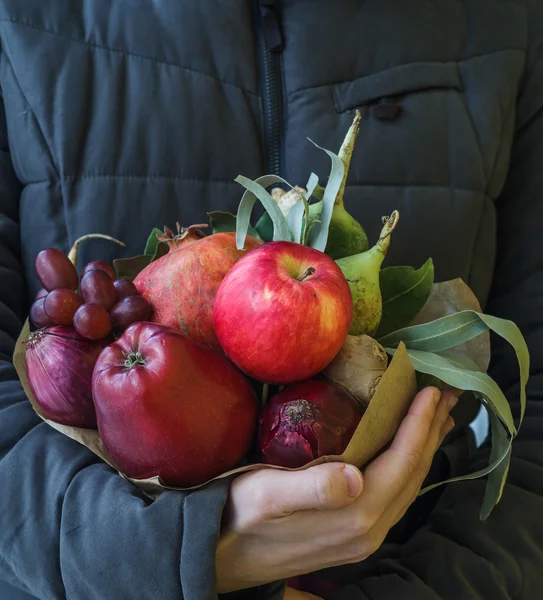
[
  {"x": 455, "y": 555},
  {"x": 70, "y": 527}
]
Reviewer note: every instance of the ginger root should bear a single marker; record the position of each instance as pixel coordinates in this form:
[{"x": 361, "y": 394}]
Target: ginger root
[{"x": 359, "y": 367}]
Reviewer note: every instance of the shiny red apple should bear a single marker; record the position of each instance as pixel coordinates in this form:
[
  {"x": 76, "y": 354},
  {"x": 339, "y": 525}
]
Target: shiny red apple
[
  {"x": 282, "y": 312},
  {"x": 168, "y": 407}
]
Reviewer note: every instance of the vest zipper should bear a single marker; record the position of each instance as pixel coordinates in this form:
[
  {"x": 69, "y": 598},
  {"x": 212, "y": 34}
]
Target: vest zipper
[{"x": 271, "y": 46}]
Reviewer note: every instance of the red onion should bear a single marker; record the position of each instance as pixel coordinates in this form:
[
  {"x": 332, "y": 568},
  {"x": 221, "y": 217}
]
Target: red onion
[
  {"x": 59, "y": 365},
  {"x": 307, "y": 420}
]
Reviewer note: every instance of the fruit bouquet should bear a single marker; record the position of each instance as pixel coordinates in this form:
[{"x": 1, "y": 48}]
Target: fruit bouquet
[{"x": 279, "y": 345}]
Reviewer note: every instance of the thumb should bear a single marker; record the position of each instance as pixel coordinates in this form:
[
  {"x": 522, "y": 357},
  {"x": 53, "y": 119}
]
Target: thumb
[{"x": 330, "y": 485}]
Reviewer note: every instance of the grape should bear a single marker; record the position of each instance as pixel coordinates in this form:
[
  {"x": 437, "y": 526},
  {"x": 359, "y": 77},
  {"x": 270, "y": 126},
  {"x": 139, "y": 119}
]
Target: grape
[
  {"x": 41, "y": 294},
  {"x": 99, "y": 265},
  {"x": 124, "y": 289},
  {"x": 38, "y": 316},
  {"x": 131, "y": 310},
  {"x": 60, "y": 306},
  {"x": 55, "y": 270},
  {"x": 97, "y": 288},
  {"x": 92, "y": 321}
]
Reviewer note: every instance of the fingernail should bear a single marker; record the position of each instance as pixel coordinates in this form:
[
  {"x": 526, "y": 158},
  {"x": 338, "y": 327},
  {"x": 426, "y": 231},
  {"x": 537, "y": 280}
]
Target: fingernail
[
  {"x": 436, "y": 395},
  {"x": 354, "y": 481}
]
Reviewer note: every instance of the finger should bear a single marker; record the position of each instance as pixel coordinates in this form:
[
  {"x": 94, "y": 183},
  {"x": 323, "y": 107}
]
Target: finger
[
  {"x": 271, "y": 493},
  {"x": 442, "y": 425},
  {"x": 386, "y": 476}
]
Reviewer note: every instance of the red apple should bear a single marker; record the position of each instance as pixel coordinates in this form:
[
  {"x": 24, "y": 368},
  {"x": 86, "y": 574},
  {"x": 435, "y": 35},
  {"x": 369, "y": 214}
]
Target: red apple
[
  {"x": 168, "y": 407},
  {"x": 283, "y": 312}
]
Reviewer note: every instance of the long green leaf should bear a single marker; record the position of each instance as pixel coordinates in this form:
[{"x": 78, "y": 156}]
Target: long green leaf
[
  {"x": 225, "y": 222},
  {"x": 295, "y": 221},
  {"x": 500, "y": 457},
  {"x": 457, "y": 377},
  {"x": 438, "y": 335},
  {"x": 447, "y": 332},
  {"x": 496, "y": 480},
  {"x": 311, "y": 185},
  {"x": 405, "y": 291},
  {"x": 330, "y": 193},
  {"x": 511, "y": 333},
  {"x": 257, "y": 190},
  {"x": 460, "y": 360}
]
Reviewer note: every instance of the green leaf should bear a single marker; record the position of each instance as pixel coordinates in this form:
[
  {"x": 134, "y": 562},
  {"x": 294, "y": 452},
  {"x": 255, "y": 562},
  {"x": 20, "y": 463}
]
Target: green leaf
[
  {"x": 152, "y": 243},
  {"x": 296, "y": 220},
  {"x": 500, "y": 454},
  {"x": 424, "y": 380},
  {"x": 405, "y": 291},
  {"x": 128, "y": 268},
  {"x": 501, "y": 420},
  {"x": 501, "y": 444},
  {"x": 460, "y": 360},
  {"x": 257, "y": 190},
  {"x": 441, "y": 334},
  {"x": 311, "y": 185},
  {"x": 452, "y": 330},
  {"x": 319, "y": 240},
  {"x": 457, "y": 377},
  {"x": 264, "y": 227},
  {"x": 460, "y": 372},
  {"x": 225, "y": 222}
]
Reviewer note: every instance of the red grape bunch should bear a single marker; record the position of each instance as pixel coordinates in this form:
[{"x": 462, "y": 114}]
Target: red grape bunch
[{"x": 102, "y": 304}]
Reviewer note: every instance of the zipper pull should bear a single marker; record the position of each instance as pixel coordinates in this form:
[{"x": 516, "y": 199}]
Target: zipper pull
[{"x": 269, "y": 12}]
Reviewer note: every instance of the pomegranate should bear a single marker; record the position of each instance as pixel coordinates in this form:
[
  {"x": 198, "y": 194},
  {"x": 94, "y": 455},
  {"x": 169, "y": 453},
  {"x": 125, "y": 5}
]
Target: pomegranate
[
  {"x": 181, "y": 285},
  {"x": 168, "y": 407},
  {"x": 307, "y": 420}
]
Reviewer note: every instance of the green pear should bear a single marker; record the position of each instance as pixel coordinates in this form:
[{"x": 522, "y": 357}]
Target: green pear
[
  {"x": 362, "y": 274},
  {"x": 346, "y": 236}
]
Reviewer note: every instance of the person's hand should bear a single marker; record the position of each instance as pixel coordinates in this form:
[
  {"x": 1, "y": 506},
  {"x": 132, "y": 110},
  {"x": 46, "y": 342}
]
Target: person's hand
[
  {"x": 279, "y": 524},
  {"x": 291, "y": 594}
]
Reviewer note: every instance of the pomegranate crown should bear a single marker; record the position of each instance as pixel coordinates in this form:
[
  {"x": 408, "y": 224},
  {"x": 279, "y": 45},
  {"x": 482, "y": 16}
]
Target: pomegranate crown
[{"x": 184, "y": 235}]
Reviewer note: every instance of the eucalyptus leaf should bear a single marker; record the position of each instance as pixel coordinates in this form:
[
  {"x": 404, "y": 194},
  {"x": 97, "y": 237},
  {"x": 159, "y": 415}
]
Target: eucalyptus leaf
[
  {"x": 226, "y": 222},
  {"x": 405, "y": 291},
  {"x": 311, "y": 185},
  {"x": 452, "y": 330},
  {"x": 497, "y": 478},
  {"x": 501, "y": 420},
  {"x": 330, "y": 193},
  {"x": 257, "y": 190},
  {"x": 424, "y": 380},
  {"x": 441, "y": 334},
  {"x": 501, "y": 456},
  {"x": 295, "y": 221},
  {"x": 152, "y": 243},
  {"x": 460, "y": 360},
  {"x": 459, "y": 378}
]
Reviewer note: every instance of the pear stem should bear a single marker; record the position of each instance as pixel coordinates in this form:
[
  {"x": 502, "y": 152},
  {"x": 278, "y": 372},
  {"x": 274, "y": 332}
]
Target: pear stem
[
  {"x": 346, "y": 152},
  {"x": 389, "y": 224}
]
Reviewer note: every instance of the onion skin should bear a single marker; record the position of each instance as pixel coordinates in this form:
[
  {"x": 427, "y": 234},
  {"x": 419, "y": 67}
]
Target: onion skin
[
  {"x": 59, "y": 366},
  {"x": 307, "y": 420}
]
